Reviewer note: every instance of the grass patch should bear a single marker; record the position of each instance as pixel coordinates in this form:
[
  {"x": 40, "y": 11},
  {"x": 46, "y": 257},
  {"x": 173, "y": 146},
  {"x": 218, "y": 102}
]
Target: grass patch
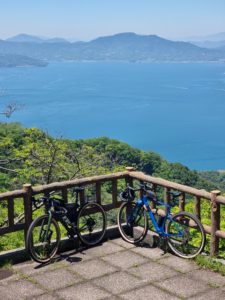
[
  {"x": 6, "y": 264},
  {"x": 210, "y": 263}
]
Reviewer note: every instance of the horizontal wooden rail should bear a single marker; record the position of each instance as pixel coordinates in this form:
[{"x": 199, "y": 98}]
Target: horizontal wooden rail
[
  {"x": 129, "y": 175},
  {"x": 175, "y": 186},
  {"x": 78, "y": 182},
  {"x": 13, "y": 194},
  {"x": 28, "y": 191}
]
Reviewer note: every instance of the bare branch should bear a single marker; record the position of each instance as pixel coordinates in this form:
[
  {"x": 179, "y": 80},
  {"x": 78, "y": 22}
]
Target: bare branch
[
  {"x": 10, "y": 109},
  {"x": 9, "y": 170}
]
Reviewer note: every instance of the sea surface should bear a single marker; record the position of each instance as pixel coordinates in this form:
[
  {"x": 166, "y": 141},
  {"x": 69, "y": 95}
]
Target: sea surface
[{"x": 177, "y": 110}]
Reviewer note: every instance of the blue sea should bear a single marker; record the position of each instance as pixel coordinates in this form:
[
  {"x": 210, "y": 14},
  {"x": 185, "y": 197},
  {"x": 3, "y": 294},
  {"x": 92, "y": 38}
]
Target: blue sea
[{"x": 177, "y": 110}]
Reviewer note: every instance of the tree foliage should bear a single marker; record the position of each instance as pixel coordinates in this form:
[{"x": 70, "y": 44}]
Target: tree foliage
[{"x": 31, "y": 155}]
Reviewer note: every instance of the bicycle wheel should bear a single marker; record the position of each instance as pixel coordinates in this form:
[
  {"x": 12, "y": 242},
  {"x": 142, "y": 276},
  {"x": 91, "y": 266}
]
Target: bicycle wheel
[
  {"x": 43, "y": 245},
  {"x": 91, "y": 224},
  {"x": 132, "y": 222},
  {"x": 186, "y": 235}
]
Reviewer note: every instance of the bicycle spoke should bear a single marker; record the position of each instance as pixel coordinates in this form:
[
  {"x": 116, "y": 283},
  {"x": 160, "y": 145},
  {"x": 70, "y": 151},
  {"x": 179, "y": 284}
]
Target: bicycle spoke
[{"x": 186, "y": 235}]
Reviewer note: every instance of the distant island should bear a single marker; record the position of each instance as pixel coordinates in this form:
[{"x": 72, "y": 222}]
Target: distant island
[
  {"x": 129, "y": 47},
  {"x": 14, "y": 60}
]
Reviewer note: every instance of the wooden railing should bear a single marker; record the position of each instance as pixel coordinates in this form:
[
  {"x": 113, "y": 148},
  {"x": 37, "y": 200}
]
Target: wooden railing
[{"x": 129, "y": 175}]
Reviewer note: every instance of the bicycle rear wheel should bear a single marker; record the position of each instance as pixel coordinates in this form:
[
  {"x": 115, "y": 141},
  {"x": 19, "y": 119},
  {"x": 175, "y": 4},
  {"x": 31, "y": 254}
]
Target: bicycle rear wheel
[
  {"x": 42, "y": 244},
  {"x": 132, "y": 222},
  {"x": 186, "y": 235},
  {"x": 91, "y": 224}
]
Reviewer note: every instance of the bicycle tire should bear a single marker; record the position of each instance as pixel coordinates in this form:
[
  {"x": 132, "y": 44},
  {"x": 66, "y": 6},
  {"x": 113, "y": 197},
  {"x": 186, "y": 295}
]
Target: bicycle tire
[
  {"x": 43, "y": 252},
  {"x": 193, "y": 240},
  {"x": 91, "y": 224},
  {"x": 133, "y": 231}
]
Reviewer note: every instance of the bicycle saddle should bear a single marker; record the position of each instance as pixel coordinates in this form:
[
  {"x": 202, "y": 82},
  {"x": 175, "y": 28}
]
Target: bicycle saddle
[{"x": 78, "y": 189}]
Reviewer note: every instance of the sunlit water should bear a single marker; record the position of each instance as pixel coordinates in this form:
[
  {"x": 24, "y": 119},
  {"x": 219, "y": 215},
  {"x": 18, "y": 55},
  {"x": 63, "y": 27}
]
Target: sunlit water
[{"x": 177, "y": 110}]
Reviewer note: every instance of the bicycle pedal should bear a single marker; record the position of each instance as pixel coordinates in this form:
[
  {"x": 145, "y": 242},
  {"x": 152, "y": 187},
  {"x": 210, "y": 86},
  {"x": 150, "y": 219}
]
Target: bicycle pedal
[{"x": 70, "y": 237}]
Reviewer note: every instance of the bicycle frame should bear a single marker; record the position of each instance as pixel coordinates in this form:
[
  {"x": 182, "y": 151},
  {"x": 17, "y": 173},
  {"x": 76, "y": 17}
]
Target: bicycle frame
[
  {"x": 45, "y": 237},
  {"x": 71, "y": 230},
  {"x": 160, "y": 229}
]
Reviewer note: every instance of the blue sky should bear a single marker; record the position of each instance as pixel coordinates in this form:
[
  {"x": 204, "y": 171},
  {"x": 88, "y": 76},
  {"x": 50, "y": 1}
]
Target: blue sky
[{"x": 87, "y": 19}]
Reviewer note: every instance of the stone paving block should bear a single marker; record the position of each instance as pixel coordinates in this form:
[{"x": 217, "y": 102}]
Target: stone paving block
[
  {"x": 118, "y": 282},
  {"x": 74, "y": 257},
  {"x": 182, "y": 286},
  {"x": 56, "y": 279},
  {"x": 123, "y": 243},
  {"x": 153, "y": 271},
  {"x": 179, "y": 264},
  {"x": 152, "y": 253},
  {"x": 148, "y": 292},
  {"x": 45, "y": 297},
  {"x": 151, "y": 238},
  {"x": 213, "y": 294},
  {"x": 7, "y": 275},
  {"x": 20, "y": 289},
  {"x": 104, "y": 249},
  {"x": 125, "y": 259},
  {"x": 32, "y": 267},
  {"x": 212, "y": 278},
  {"x": 84, "y": 291},
  {"x": 92, "y": 268}
]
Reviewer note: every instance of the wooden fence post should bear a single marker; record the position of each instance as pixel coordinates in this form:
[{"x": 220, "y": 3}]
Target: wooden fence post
[
  {"x": 154, "y": 189},
  {"x": 27, "y": 206},
  {"x": 82, "y": 198},
  {"x": 198, "y": 207},
  {"x": 182, "y": 202},
  {"x": 11, "y": 211},
  {"x": 128, "y": 179},
  {"x": 98, "y": 193},
  {"x": 114, "y": 191},
  {"x": 215, "y": 223},
  {"x": 65, "y": 195},
  {"x": 166, "y": 197}
]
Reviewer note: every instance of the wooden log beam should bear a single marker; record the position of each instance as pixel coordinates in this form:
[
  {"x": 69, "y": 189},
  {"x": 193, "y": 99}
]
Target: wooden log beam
[
  {"x": 197, "y": 201},
  {"x": 215, "y": 224},
  {"x": 171, "y": 185},
  {"x": 182, "y": 202},
  {"x": 78, "y": 182}
]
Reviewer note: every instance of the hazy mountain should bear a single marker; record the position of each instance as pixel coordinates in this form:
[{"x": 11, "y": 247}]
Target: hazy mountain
[
  {"x": 24, "y": 38},
  {"x": 56, "y": 40},
  {"x": 212, "y": 37},
  {"x": 216, "y": 37},
  {"x": 123, "y": 47},
  {"x": 210, "y": 44},
  {"x": 212, "y": 41},
  {"x": 13, "y": 60}
]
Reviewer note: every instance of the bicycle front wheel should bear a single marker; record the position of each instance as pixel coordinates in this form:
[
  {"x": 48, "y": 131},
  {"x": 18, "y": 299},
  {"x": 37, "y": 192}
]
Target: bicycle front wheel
[
  {"x": 91, "y": 224},
  {"x": 132, "y": 222},
  {"x": 186, "y": 235},
  {"x": 43, "y": 240}
]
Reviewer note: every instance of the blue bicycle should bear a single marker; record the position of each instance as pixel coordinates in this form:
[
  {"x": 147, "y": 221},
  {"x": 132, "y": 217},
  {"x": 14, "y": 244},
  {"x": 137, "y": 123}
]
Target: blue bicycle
[{"x": 182, "y": 232}]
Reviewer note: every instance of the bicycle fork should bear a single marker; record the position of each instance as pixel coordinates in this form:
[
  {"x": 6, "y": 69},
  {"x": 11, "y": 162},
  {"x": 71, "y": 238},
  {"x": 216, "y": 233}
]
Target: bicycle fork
[{"x": 45, "y": 233}]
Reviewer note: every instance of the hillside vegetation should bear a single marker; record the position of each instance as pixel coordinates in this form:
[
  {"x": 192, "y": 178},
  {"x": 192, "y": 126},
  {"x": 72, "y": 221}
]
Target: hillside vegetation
[
  {"x": 31, "y": 155},
  {"x": 14, "y": 60}
]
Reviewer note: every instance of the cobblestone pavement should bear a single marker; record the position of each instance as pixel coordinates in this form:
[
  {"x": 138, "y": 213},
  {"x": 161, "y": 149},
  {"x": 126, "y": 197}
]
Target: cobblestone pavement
[{"x": 113, "y": 270}]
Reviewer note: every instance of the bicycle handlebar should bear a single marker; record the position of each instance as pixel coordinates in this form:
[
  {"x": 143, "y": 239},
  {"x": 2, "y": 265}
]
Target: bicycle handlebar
[
  {"x": 129, "y": 193},
  {"x": 45, "y": 200}
]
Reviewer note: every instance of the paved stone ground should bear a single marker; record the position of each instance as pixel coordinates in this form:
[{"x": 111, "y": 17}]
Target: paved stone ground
[{"x": 113, "y": 270}]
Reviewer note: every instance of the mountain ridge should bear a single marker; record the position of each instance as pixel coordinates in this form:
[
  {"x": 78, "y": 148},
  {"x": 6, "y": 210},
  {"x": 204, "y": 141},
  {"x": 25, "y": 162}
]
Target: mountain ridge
[
  {"x": 126, "y": 46},
  {"x": 14, "y": 60}
]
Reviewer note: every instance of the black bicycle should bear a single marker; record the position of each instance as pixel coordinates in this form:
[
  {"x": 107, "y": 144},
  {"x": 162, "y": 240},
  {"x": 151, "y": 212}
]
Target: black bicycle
[{"x": 88, "y": 222}]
